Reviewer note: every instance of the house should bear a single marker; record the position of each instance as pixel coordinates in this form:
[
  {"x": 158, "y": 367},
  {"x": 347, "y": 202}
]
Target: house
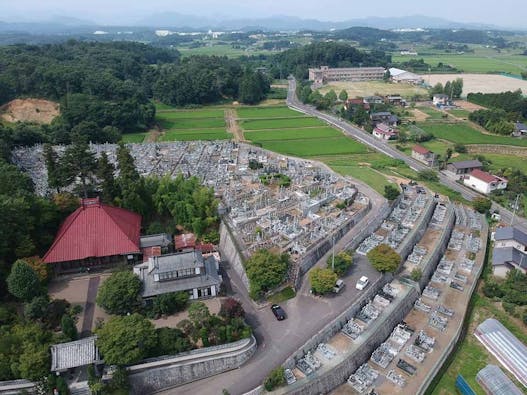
[
  {"x": 520, "y": 129},
  {"x": 510, "y": 250},
  {"x": 459, "y": 169},
  {"x": 440, "y": 99},
  {"x": 385, "y": 117},
  {"x": 189, "y": 272},
  {"x": 403, "y": 76},
  {"x": 373, "y": 100},
  {"x": 385, "y": 132},
  {"x": 484, "y": 182},
  {"x": 187, "y": 242},
  {"x": 395, "y": 100},
  {"x": 83, "y": 352},
  {"x": 325, "y": 74},
  {"x": 95, "y": 235},
  {"x": 424, "y": 155},
  {"x": 350, "y": 103}
]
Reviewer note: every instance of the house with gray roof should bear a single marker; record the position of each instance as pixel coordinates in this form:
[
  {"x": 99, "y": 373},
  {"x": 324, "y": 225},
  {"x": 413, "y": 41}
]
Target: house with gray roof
[
  {"x": 520, "y": 129},
  {"x": 186, "y": 271},
  {"x": 459, "y": 169},
  {"x": 510, "y": 250},
  {"x": 162, "y": 240}
]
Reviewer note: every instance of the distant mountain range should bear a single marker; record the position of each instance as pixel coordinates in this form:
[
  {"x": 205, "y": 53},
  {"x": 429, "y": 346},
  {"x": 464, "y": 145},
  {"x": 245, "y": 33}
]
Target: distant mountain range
[{"x": 182, "y": 22}]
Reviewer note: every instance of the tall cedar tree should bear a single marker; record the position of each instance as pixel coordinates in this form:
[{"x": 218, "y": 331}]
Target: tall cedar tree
[
  {"x": 79, "y": 162},
  {"x": 105, "y": 174},
  {"x": 131, "y": 185}
]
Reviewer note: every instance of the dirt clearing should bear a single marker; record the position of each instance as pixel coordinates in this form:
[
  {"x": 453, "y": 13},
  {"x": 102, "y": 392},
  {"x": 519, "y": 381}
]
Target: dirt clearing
[
  {"x": 484, "y": 83},
  {"x": 30, "y": 110}
]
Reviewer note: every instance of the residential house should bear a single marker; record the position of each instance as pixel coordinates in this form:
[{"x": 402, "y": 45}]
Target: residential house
[
  {"x": 510, "y": 250},
  {"x": 403, "y": 76},
  {"x": 484, "y": 182},
  {"x": 440, "y": 99},
  {"x": 385, "y": 117},
  {"x": 385, "y": 132},
  {"x": 395, "y": 100},
  {"x": 155, "y": 245},
  {"x": 189, "y": 272},
  {"x": 350, "y": 103},
  {"x": 424, "y": 155},
  {"x": 459, "y": 169},
  {"x": 188, "y": 242},
  {"x": 373, "y": 100},
  {"x": 520, "y": 129}
]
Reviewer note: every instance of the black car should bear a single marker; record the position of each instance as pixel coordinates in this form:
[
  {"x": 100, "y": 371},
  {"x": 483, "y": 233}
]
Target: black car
[{"x": 278, "y": 312}]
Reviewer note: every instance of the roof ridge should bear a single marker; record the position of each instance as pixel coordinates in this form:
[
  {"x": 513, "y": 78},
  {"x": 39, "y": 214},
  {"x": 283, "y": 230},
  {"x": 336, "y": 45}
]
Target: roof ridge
[
  {"x": 62, "y": 230},
  {"x": 104, "y": 207}
]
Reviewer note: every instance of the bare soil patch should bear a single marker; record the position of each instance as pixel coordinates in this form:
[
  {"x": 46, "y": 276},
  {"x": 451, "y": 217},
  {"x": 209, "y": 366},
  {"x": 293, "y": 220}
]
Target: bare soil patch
[
  {"x": 232, "y": 125},
  {"x": 466, "y": 105},
  {"x": 418, "y": 115},
  {"x": 30, "y": 110},
  {"x": 484, "y": 83}
]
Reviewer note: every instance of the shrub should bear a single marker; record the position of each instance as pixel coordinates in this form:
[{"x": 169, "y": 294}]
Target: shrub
[
  {"x": 171, "y": 341},
  {"x": 482, "y": 205},
  {"x": 509, "y": 308},
  {"x": 384, "y": 258},
  {"x": 343, "y": 262},
  {"x": 491, "y": 289},
  {"x": 428, "y": 175},
  {"x": 23, "y": 282},
  {"x": 275, "y": 379},
  {"x": 322, "y": 280},
  {"x": 391, "y": 192},
  {"x": 167, "y": 304},
  {"x": 231, "y": 308},
  {"x": 68, "y": 327},
  {"x": 416, "y": 274}
]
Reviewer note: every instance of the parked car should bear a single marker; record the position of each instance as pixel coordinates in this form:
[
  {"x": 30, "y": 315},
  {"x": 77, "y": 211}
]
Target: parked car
[
  {"x": 278, "y": 312},
  {"x": 338, "y": 286},
  {"x": 362, "y": 283}
]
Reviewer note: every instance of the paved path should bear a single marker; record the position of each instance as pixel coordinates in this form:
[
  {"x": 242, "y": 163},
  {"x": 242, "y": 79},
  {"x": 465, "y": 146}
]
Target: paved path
[{"x": 89, "y": 307}]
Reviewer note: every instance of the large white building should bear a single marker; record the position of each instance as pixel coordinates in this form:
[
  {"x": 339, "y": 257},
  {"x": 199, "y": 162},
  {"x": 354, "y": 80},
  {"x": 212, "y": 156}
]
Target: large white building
[{"x": 484, "y": 182}]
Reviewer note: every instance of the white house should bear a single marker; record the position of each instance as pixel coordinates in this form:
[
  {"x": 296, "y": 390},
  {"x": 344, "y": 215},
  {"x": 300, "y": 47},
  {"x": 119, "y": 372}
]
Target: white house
[
  {"x": 385, "y": 132},
  {"x": 440, "y": 99},
  {"x": 510, "y": 250},
  {"x": 484, "y": 182}
]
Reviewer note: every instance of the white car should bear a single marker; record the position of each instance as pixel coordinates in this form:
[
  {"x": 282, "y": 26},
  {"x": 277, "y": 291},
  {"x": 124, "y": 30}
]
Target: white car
[{"x": 362, "y": 283}]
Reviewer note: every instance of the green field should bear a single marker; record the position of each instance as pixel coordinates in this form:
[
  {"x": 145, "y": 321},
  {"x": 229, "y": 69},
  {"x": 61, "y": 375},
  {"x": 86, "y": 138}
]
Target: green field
[
  {"x": 364, "y": 173},
  {"x": 267, "y": 112},
  {"x": 432, "y": 113},
  {"x": 220, "y": 50},
  {"x": 189, "y": 123},
  {"x": 291, "y": 134},
  {"x": 280, "y": 123},
  {"x": 205, "y": 134},
  {"x": 192, "y": 114},
  {"x": 459, "y": 113},
  {"x": 134, "y": 137},
  {"x": 462, "y": 133},
  {"x": 316, "y": 147}
]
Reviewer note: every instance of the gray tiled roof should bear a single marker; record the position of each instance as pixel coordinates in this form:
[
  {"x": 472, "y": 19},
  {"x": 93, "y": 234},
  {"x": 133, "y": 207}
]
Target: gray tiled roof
[
  {"x": 467, "y": 164},
  {"x": 162, "y": 240},
  {"x": 511, "y": 233},
  {"x": 74, "y": 354},
  {"x": 502, "y": 256}
]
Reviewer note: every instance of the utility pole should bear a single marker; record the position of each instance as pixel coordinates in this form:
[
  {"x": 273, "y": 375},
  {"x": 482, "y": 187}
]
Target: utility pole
[
  {"x": 333, "y": 252},
  {"x": 515, "y": 208}
]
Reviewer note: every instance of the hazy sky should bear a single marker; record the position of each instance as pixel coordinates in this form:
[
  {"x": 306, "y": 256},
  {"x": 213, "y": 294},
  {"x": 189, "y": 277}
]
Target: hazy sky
[{"x": 504, "y": 12}]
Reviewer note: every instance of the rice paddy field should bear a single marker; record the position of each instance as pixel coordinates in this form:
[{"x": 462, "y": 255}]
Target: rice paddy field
[
  {"x": 279, "y": 123},
  {"x": 267, "y": 112},
  {"x": 134, "y": 137}
]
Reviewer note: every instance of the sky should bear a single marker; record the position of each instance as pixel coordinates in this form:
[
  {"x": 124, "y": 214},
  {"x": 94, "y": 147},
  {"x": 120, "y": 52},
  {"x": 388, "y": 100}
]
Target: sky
[{"x": 508, "y": 13}]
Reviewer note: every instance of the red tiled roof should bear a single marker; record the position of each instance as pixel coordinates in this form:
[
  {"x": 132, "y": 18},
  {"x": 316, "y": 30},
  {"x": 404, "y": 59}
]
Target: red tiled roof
[
  {"x": 95, "y": 230},
  {"x": 185, "y": 240},
  {"x": 151, "y": 251},
  {"x": 484, "y": 176},
  {"x": 420, "y": 150}
]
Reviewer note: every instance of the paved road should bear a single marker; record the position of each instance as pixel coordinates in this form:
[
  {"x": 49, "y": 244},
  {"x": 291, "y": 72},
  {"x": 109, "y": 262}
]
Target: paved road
[
  {"x": 306, "y": 315},
  {"x": 387, "y": 149}
]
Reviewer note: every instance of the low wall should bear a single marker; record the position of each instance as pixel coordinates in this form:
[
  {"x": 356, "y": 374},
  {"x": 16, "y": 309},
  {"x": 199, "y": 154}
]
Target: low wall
[
  {"x": 13, "y": 387},
  {"x": 497, "y": 149},
  {"x": 454, "y": 340},
  {"x": 231, "y": 252},
  {"x": 418, "y": 231},
  {"x": 169, "y": 372}
]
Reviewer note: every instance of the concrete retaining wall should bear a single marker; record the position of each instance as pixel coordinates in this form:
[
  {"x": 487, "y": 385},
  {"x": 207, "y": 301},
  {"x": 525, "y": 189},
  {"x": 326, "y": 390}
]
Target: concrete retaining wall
[
  {"x": 164, "y": 373},
  {"x": 232, "y": 253},
  {"x": 13, "y": 387}
]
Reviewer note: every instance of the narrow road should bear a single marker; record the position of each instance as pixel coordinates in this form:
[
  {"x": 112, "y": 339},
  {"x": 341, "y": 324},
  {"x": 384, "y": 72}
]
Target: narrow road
[{"x": 387, "y": 149}]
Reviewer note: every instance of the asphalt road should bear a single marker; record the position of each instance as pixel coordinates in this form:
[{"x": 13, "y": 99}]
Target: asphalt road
[{"x": 387, "y": 149}]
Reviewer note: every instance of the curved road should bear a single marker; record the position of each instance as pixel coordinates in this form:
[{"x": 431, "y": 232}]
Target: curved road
[{"x": 387, "y": 149}]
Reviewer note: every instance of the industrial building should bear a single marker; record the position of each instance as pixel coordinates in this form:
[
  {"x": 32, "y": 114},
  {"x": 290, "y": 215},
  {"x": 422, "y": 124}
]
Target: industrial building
[
  {"x": 325, "y": 74},
  {"x": 403, "y": 76}
]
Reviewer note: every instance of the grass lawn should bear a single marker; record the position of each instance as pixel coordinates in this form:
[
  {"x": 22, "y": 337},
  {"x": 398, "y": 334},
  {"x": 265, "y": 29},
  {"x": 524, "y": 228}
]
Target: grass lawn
[
  {"x": 282, "y": 296},
  {"x": 364, "y": 173},
  {"x": 190, "y": 123},
  {"x": 316, "y": 147},
  {"x": 369, "y": 88},
  {"x": 432, "y": 113},
  {"x": 204, "y": 134},
  {"x": 190, "y": 114},
  {"x": 134, "y": 137},
  {"x": 280, "y": 123},
  {"x": 462, "y": 133},
  {"x": 291, "y": 134},
  {"x": 267, "y": 112}
]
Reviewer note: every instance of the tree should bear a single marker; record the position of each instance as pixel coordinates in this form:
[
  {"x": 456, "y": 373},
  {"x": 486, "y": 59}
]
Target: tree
[
  {"x": 448, "y": 89},
  {"x": 331, "y": 97},
  {"x": 391, "y": 192},
  {"x": 131, "y": 185},
  {"x": 482, "y": 205},
  {"x": 169, "y": 303},
  {"x": 37, "y": 308},
  {"x": 460, "y": 148},
  {"x": 343, "y": 262},
  {"x": 120, "y": 293},
  {"x": 266, "y": 270},
  {"x": 55, "y": 177},
  {"x": 171, "y": 341},
  {"x": 41, "y": 268},
  {"x": 105, "y": 174},
  {"x": 23, "y": 282},
  {"x": 343, "y": 95},
  {"x": 437, "y": 89},
  {"x": 126, "y": 340},
  {"x": 231, "y": 308},
  {"x": 34, "y": 361},
  {"x": 198, "y": 313},
  {"x": 78, "y": 162},
  {"x": 457, "y": 88},
  {"x": 322, "y": 280},
  {"x": 416, "y": 274},
  {"x": 67, "y": 324},
  {"x": 275, "y": 379},
  {"x": 384, "y": 258}
]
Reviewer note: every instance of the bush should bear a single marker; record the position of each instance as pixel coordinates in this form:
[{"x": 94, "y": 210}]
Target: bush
[
  {"x": 275, "y": 379},
  {"x": 491, "y": 289},
  {"x": 119, "y": 294},
  {"x": 460, "y": 148},
  {"x": 384, "y": 258},
  {"x": 68, "y": 327},
  {"x": 167, "y": 304},
  {"x": 171, "y": 341},
  {"x": 231, "y": 308},
  {"x": 391, "y": 192},
  {"x": 482, "y": 205},
  {"x": 416, "y": 274},
  {"x": 36, "y": 309},
  {"x": 322, "y": 280},
  {"x": 343, "y": 262},
  {"x": 509, "y": 308},
  {"x": 428, "y": 175}
]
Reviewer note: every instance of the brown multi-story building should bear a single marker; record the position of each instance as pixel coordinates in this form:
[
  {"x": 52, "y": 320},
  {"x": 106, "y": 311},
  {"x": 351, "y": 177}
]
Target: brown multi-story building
[{"x": 325, "y": 74}]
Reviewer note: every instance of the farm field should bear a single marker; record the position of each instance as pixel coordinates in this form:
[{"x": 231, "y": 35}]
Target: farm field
[
  {"x": 484, "y": 83},
  {"x": 261, "y": 136},
  {"x": 195, "y": 134},
  {"x": 431, "y": 112},
  {"x": 479, "y": 62},
  {"x": 189, "y": 123},
  {"x": 220, "y": 50},
  {"x": 202, "y": 113},
  {"x": 464, "y": 134},
  {"x": 459, "y": 113},
  {"x": 134, "y": 137},
  {"x": 316, "y": 147},
  {"x": 370, "y": 88},
  {"x": 279, "y": 123},
  {"x": 267, "y": 112}
]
